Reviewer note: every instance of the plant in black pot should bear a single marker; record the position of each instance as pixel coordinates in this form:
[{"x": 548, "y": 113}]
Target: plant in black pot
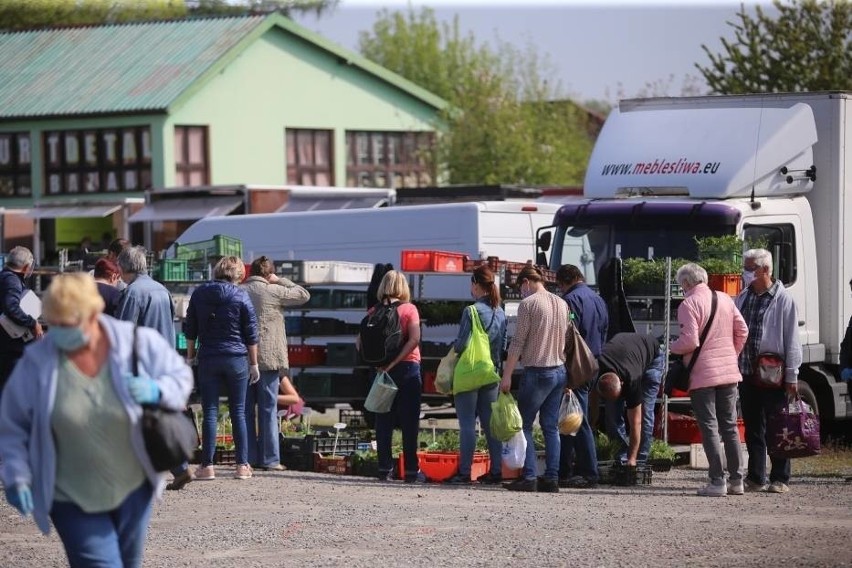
[{"x": 661, "y": 456}]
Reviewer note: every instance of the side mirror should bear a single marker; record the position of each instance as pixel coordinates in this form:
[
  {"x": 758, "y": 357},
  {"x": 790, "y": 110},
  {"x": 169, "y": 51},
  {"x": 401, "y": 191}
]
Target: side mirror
[{"x": 543, "y": 241}]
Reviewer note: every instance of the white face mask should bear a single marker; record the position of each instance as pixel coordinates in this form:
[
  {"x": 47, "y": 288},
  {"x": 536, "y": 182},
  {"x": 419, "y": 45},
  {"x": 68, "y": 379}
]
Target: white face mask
[{"x": 748, "y": 278}]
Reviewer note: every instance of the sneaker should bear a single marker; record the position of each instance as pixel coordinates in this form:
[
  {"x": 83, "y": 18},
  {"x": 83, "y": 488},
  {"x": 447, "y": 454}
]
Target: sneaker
[
  {"x": 521, "y": 484},
  {"x": 386, "y": 476},
  {"x": 490, "y": 479},
  {"x": 712, "y": 490},
  {"x": 546, "y": 485},
  {"x": 578, "y": 482},
  {"x": 243, "y": 471},
  {"x": 180, "y": 481},
  {"x": 205, "y": 473},
  {"x": 419, "y": 478},
  {"x": 458, "y": 479},
  {"x": 753, "y": 486},
  {"x": 273, "y": 467},
  {"x": 736, "y": 487},
  {"x": 778, "y": 487}
]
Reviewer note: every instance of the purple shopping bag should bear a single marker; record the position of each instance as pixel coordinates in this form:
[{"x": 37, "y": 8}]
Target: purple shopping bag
[{"x": 793, "y": 431}]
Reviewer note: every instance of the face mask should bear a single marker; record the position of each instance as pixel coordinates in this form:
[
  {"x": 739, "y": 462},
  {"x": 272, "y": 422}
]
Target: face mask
[
  {"x": 748, "y": 278},
  {"x": 68, "y": 338}
]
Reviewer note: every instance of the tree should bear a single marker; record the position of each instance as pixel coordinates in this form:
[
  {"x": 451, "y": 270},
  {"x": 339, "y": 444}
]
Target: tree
[
  {"x": 505, "y": 124},
  {"x": 807, "y": 47},
  {"x": 29, "y": 14}
]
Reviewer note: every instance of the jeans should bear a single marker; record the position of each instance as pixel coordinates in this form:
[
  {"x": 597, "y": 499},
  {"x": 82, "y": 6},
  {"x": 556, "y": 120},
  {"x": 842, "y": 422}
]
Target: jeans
[
  {"x": 578, "y": 455},
  {"x": 469, "y": 405},
  {"x": 406, "y": 412},
  {"x": 263, "y": 444},
  {"x": 715, "y": 410},
  {"x": 616, "y": 427},
  {"x": 112, "y": 539},
  {"x": 757, "y": 403},
  {"x": 540, "y": 393},
  {"x": 232, "y": 370}
]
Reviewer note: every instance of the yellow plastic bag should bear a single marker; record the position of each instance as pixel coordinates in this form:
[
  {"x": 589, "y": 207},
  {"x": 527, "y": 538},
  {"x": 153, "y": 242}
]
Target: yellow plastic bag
[
  {"x": 444, "y": 375},
  {"x": 475, "y": 368}
]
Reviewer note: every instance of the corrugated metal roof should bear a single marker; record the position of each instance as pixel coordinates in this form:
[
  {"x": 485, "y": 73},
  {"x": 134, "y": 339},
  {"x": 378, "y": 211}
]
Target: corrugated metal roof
[
  {"x": 141, "y": 67},
  {"x": 112, "y": 68}
]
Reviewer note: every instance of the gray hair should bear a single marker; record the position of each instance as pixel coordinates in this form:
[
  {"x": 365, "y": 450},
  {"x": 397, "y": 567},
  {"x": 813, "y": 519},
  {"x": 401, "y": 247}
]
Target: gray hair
[
  {"x": 761, "y": 257},
  {"x": 691, "y": 274},
  {"x": 19, "y": 257},
  {"x": 133, "y": 260},
  {"x": 229, "y": 268}
]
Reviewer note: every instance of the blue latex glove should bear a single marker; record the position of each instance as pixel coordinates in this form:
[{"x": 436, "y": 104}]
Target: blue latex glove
[
  {"x": 143, "y": 389},
  {"x": 846, "y": 375},
  {"x": 21, "y": 498}
]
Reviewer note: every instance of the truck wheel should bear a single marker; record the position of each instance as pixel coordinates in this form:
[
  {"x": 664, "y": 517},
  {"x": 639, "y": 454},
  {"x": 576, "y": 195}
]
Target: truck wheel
[{"x": 807, "y": 394}]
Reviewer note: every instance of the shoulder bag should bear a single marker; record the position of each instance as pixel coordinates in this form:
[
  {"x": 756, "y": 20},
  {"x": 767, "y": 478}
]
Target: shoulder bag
[
  {"x": 475, "y": 368},
  {"x": 170, "y": 437},
  {"x": 677, "y": 376},
  {"x": 581, "y": 364}
]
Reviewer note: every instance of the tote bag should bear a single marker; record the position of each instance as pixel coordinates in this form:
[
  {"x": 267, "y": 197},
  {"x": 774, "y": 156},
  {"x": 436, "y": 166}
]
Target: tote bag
[
  {"x": 581, "y": 365},
  {"x": 475, "y": 368},
  {"x": 381, "y": 395}
]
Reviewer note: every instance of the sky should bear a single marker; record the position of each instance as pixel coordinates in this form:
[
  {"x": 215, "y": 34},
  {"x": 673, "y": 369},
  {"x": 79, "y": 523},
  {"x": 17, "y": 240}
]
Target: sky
[{"x": 598, "y": 49}]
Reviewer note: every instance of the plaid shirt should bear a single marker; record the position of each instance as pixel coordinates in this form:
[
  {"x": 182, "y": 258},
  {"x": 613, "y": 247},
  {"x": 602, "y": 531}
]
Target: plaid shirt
[{"x": 753, "y": 309}]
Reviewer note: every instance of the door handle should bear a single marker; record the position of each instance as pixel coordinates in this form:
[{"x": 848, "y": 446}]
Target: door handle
[{"x": 801, "y": 323}]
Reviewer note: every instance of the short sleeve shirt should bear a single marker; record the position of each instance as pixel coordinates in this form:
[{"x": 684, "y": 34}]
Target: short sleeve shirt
[
  {"x": 408, "y": 315},
  {"x": 628, "y": 355}
]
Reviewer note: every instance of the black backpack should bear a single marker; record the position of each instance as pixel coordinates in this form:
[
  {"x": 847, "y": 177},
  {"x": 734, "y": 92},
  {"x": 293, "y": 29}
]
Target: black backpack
[{"x": 381, "y": 335}]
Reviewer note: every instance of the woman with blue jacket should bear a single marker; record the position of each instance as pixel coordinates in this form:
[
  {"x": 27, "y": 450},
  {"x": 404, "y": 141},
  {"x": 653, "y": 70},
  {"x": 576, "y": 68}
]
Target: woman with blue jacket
[
  {"x": 477, "y": 402},
  {"x": 221, "y": 317},
  {"x": 70, "y": 426}
]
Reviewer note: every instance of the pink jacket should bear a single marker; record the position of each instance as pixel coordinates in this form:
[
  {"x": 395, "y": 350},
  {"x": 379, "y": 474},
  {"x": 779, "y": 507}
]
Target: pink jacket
[{"x": 717, "y": 363}]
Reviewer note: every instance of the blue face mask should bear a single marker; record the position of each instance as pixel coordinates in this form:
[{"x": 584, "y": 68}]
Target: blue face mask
[{"x": 68, "y": 338}]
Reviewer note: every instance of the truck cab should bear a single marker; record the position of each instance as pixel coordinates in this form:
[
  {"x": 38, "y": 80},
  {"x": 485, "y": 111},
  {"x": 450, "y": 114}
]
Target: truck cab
[{"x": 767, "y": 168}]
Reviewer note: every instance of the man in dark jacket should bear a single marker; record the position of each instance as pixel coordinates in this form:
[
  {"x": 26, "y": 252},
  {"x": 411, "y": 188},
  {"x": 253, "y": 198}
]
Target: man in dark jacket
[
  {"x": 589, "y": 314},
  {"x": 18, "y": 267},
  {"x": 631, "y": 367},
  {"x": 846, "y": 352}
]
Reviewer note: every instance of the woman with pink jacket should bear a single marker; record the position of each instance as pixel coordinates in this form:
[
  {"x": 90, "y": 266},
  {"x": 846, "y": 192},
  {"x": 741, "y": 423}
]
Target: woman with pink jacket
[{"x": 715, "y": 375}]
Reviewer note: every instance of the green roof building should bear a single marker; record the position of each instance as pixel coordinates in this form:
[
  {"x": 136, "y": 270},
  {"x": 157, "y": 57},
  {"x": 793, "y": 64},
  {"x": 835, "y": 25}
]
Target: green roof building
[{"x": 91, "y": 117}]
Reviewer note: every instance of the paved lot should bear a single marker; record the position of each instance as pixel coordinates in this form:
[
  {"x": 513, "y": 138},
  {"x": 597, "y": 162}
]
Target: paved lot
[{"x": 306, "y": 519}]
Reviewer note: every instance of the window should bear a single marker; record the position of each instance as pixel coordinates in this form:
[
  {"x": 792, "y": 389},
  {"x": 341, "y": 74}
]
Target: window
[
  {"x": 309, "y": 157},
  {"x": 192, "y": 166},
  {"x": 15, "y": 164},
  {"x": 389, "y": 159},
  {"x": 780, "y": 240},
  {"x": 97, "y": 160}
]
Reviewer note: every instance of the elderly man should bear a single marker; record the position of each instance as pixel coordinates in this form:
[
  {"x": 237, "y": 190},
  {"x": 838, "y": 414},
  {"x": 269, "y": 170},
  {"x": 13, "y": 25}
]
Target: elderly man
[
  {"x": 631, "y": 366},
  {"x": 773, "y": 327},
  {"x": 18, "y": 267}
]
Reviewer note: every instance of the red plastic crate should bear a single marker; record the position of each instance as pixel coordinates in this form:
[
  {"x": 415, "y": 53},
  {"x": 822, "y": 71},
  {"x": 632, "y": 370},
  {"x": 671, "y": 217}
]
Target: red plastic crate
[
  {"x": 432, "y": 261},
  {"x": 728, "y": 283},
  {"x": 440, "y": 466},
  {"x": 683, "y": 429},
  {"x": 429, "y": 382},
  {"x": 306, "y": 355}
]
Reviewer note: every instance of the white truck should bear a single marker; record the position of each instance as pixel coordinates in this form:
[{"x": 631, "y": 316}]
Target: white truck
[{"x": 776, "y": 167}]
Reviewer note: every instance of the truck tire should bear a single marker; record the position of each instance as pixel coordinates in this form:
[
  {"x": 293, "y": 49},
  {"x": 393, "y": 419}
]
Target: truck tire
[{"x": 807, "y": 394}]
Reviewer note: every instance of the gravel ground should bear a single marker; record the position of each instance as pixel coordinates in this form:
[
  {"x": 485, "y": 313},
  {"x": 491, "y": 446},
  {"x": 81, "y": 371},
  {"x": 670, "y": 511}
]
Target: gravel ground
[{"x": 308, "y": 519}]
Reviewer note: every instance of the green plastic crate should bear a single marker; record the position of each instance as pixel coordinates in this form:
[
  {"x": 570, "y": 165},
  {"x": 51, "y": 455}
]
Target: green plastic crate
[
  {"x": 172, "y": 270},
  {"x": 218, "y": 246},
  {"x": 180, "y": 341}
]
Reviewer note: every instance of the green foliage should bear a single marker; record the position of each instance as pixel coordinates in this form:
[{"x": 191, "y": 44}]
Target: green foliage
[
  {"x": 604, "y": 447},
  {"x": 720, "y": 255},
  {"x": 807, "y": 47},
  {"x": 504, "y": 124},
  {"x": 30, "y": 14},
  {"x": 640, "y": 272},
  {"x": 661, "y": 451}
]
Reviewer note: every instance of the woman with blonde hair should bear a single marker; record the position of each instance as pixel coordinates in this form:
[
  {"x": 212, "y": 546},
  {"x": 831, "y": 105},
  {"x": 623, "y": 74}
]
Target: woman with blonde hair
[
  {"x": 221, "y": 317},
  {"x": 404, "y": 369},
  {"x": 70, "y": 425}
]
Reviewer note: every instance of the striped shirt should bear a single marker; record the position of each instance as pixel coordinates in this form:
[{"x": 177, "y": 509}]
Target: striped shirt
[
  {"x": 539, "y": 338},
  {"x": 753, "y": 309}
]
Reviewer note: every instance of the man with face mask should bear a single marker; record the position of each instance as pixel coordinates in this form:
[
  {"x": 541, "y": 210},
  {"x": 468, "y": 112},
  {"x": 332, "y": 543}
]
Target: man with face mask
[
  {"x": 18, "y": 267},
  {"x": 773, "y": 327}
]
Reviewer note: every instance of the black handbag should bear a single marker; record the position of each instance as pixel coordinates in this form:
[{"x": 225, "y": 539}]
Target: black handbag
[
  {"x": 170, "y": 437},
  {"x": 677, "y": 376}
]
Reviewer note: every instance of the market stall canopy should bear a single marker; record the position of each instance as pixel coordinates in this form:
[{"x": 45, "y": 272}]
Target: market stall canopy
[
  {"x": 187, "y": 209},
  {"x": 73, "y": 211}
]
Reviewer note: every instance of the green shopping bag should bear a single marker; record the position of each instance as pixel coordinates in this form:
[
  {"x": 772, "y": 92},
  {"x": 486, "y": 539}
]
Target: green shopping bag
[
  {"x": 505, "y": 417},
  {"x": 475, "y": 368}
]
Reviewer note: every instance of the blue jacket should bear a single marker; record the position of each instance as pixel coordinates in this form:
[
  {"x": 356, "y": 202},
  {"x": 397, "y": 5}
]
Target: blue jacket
[
  {"x": 493, "y": 322},
  {"x": 222, "y": 317},
  {"x": 26, "y": 439},
  {"x": 590, "y": 315},
  {"x": 11, "y": 290},
  {"x": 146, "y": 302}
]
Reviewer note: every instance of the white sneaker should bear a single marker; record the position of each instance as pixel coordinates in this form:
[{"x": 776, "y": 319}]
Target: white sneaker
[
  {"x": 206, "y": 473},
  {"x": 753, "y": 487},
  {"x": 711, "y": 490},
  {"x": 243, "y": 472},
  {"x": 736, "y": 487},
  {"x": 778, "y": 487}
]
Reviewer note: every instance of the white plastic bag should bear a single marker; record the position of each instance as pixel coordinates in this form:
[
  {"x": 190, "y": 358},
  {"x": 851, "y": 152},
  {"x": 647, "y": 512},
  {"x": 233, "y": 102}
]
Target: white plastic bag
[
  {"x": 570, "y": 415},
  {"x": 515, "y": 451}
]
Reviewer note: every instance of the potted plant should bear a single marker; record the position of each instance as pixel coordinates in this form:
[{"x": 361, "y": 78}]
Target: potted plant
[
  {"x": 439, "y": 458},
  {"x": 722, "y": 258},
  {"x": 661, "y": 456}
]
